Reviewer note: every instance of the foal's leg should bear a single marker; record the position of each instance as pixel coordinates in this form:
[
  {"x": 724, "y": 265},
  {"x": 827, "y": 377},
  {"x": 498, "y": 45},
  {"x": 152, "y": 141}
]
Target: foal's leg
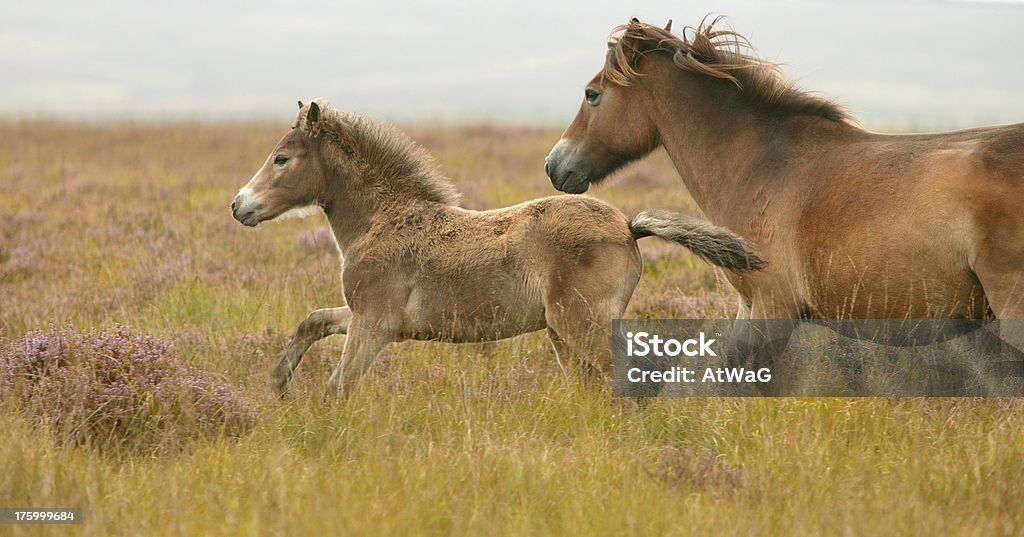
[
  {"x": 364, "y": 343},
  {"x": 317, "y": 325},
  {"x": 576, "y": 341},
  {"x": 562, "y": 353},
  {"x": 584, "y": 299}
]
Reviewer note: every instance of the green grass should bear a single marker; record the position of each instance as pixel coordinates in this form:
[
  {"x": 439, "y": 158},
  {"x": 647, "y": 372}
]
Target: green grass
[{"x": 129, "y": 224}]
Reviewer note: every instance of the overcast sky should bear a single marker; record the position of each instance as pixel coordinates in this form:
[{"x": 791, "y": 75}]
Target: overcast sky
[{"x": 929, "y": 64}]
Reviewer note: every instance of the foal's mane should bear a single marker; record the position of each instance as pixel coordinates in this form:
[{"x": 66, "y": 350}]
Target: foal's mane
[
  {"x": 713, "y": 52},
  {"x": 398, "y": 164}
]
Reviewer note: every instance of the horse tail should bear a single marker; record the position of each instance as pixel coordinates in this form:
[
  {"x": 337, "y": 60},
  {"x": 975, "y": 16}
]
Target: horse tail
[{"x": 712, "y": 243}]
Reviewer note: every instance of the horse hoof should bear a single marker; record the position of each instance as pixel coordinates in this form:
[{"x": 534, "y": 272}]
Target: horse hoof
[{"x": 279, "y": 386}]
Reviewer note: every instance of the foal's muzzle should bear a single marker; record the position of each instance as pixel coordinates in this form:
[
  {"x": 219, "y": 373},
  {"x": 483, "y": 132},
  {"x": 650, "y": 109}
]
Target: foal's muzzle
[{"x": 244, "y": 209}]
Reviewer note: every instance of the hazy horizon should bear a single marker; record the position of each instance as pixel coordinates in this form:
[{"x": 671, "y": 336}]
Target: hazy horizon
[{"x": 927, "y": 64}]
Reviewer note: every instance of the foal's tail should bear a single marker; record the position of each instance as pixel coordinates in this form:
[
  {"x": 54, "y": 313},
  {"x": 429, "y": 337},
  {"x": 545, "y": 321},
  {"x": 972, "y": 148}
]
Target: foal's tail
[{"x": 714, "y": 244}]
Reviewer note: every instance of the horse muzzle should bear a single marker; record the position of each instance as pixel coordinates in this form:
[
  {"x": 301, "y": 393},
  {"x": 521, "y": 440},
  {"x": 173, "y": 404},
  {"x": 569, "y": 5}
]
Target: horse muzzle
[
  {"x": 245, "y": 209},
  {"x": 563, "y": 170}
]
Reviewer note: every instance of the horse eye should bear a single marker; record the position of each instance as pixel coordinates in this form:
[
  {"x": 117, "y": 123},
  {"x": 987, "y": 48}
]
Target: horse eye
[
  {"x": 592, "y": 96},
  {"x": 280, "y": 160}
]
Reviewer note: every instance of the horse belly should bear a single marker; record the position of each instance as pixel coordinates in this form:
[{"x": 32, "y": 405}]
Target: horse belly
[
  {"x": 484, "y": 309},
  {"x": 890, "y": 283}
]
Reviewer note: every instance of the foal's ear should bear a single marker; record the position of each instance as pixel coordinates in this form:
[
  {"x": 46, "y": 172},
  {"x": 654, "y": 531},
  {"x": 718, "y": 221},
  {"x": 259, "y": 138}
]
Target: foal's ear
[
  {"x": 313, "y": 119},
  {"x": 300, "y": 104},
  {"x": 668, "y": 27}
]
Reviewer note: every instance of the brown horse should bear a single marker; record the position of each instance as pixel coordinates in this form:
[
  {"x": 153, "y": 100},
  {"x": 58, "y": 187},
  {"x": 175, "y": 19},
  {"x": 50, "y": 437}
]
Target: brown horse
[
  {"x": 854, "y": 224},
  {"x": 416, "y": 266}
]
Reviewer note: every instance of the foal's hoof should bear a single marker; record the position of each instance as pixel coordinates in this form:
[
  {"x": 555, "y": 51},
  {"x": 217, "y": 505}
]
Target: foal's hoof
[
  {"x": 336, "y": 392},
  {"x": 279, "y": 385}
]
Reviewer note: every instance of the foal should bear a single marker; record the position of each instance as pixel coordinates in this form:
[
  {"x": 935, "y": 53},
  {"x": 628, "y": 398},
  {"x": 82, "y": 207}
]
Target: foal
[{"x": 416, "y": 266}]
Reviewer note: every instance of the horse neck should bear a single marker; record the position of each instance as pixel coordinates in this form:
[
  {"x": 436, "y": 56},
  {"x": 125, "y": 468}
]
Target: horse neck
[
  {"x": 354, "y": 207},
  {"x": 713, "y": 135},
  {"x": 350, "y": 214}
]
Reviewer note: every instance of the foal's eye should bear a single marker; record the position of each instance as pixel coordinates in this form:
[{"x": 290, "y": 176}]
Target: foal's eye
[
  {"x": 592, "y": 96},
  {"x": 280, "y": 160}
]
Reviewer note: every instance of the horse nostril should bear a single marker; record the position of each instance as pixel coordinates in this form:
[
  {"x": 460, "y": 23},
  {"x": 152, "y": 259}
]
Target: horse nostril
[
  {"x": 233, "y": 203},
  {"x": 547, "y": 167}
]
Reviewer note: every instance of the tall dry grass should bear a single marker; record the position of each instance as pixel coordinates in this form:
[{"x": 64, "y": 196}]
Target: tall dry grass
[{"x": 128, "y": 224}]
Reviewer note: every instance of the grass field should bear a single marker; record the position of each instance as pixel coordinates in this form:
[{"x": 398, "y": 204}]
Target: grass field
[{"x": 106, "y": 225}]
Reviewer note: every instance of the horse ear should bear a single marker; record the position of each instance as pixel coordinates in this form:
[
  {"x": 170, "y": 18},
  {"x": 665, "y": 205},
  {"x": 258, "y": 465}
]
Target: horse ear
[
  {"x": 627, "y": 40},
  {"x": 313, "y": 119},
  {"x": 668, "y": 27},
  {"x": 300, "y": 104}
]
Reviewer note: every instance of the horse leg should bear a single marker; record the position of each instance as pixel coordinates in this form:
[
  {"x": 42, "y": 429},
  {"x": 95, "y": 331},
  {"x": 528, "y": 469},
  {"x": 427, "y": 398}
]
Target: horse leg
[
  {"x": 759, "y": 339},
  {"x": 574, "y": 342},
  {"x": 847, "y": 354},
  {"x": 582, "y": 337},
  {"x": 1003, "y": 283},
  {"x": 562, "y": 352},
  {"x": 988, "y": 361},
  {"x": 363, "y": 344},
  {"x": 317, "y": 325},
  {"x": 581, "y": 302}
]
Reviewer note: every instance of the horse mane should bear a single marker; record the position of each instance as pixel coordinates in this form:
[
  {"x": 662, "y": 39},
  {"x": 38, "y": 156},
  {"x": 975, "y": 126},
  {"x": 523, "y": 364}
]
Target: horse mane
[
  {"x": 719, "y": 53},
  {"x": 387, "y": 155}
]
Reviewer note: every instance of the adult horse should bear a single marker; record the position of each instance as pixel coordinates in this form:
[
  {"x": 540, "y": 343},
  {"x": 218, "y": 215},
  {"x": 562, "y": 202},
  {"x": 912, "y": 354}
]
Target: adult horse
[{"x": 854, "y": 224}]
